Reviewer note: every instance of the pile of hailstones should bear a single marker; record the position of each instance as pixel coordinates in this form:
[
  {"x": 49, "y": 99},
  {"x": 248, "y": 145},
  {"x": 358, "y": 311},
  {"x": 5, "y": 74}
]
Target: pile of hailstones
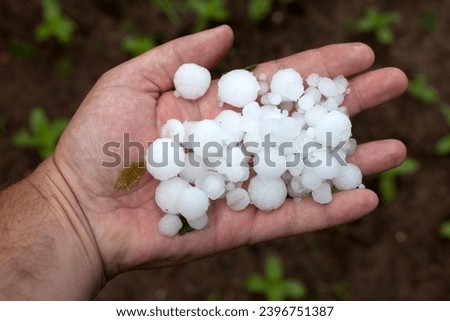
[{"x": 287, "y": 112}]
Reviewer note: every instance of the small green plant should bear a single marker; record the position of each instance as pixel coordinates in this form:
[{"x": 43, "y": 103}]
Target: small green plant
[
  {"x": 136, "y": 45},
  {"x": 55, "y": 24},
  {"x": 443, "y": 144},
  {"x": 22, "y": 49},
  {"x": 273, "y": 284},
  {"x": 208, "y": 11},
  {"x": 444, "y": 229},
  {"x": 258, "y": 10},
  {"x": 43, "y": 134},
  {"x": 420, "y": 89},
  {"x": 429, "y": 20},
  {"x": 379, "y": 23},
  {"x": 386, "y": 183}
]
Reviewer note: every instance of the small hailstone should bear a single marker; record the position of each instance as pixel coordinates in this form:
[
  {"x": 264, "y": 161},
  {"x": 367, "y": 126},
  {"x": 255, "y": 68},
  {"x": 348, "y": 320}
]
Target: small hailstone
[
  {"x": 194, "y": 168},
  {"x": 310, "y": 179},
  {"x": 230, "y": 186},
  {"x": 295, "y": 164},
  {"x": 165, "y": 158},
  {"x": 288, "y": 84},
  {"x": 251, "y": 110},
  {"x": 327, "y": 87},
  {"x": 172, "y": 128},
  {"x": 267, "y": 194},
  {"x": 313, "y": 115},
  {"x": 262, "y": 76},
  {"x": 238, "y": 199},
  {"x": 268, "y": 163},
  {"x": 315, "y": 93},
  {"x": 188, "y": 128},
  {"x": 263, "y": 88},
  {"x": 336, "y": 126},
  {"x": 230, "y": 122},
  {"x": 167, "y": 191},
  {"x": 341, "y": 84},
  {"x": 234, "y": 172},
  {"x": 212, "y": 184},
  {"x": 331, "y": 104},
  {"x": 343, "y": 110},
  {"x": 339, "y": 99},
  {"x": 199, "y": 223},
  {"x": 322, "y": 194},
  {"x": 169, "y": 225},
  {"x": 350, "y": 177},
  {"x": 191, "y": 81},
  {"x": 306, "y": 102},
  {"x": 327, "y": 167},
  {"x": 350, "y": 146},
  {"x": 238, "y": 88},
  {"x": 192, "y": 203},
  {"x": 313, "y": 80},
  {"x": 207, "y": 132}
]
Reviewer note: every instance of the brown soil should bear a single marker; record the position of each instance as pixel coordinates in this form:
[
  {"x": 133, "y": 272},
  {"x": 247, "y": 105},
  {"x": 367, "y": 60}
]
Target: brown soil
[{"x": 393, "y": 254}]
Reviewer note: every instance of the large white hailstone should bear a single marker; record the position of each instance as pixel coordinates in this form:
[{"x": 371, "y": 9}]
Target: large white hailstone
[
  {"x": 199, "y": 223},
  {"x": 288, "y": 84},
  {"x": 169, "y": 225},
  {"x": 350, "y": 177},
  {"x": 238, "y": 199},
  {"x": 328, "y": 87},
  {"x": 313, "y": 80},
  {"x": 310, "y": 179},
  {"x": 252, "y": 111},
  {"x": 192, "y": 203},
  {"x": 172, "y": 128},
  {"x": 267, "y": 194},
  {"x": 191, "y": 81},
  {"x": 212, "y": 184},
  {"x": 208, "y": 136},
  {"x": 322, "y": 194},
  {"x": 338, "y": 126},
  {"x": 193, "y": 169},
  {"x": 327, "y": 166},
  {"x": 268, "y": 163},
  {"x": 253, "y": 142},
  {"x": 306, "y": 102},
  {"x": 169, "y": 190},
  {"x": 230, "y": 122},
  {"x": 313, "y": 115},
  {"x": 238, "y": 88},
  {"x": 164, "y": 159}
]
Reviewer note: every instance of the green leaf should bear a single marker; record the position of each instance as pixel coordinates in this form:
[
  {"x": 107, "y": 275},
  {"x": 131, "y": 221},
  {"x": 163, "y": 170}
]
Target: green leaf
[
  {"x": 274, "y": 291},
  {"x": 42, "y": 32},
  {"x": 443, "y": 145},
  {"x": 421, "y": 90},
  {"x": 130, "y": 176},
  {"x": 136, "y": 45},
  {"x": 385, "y": 36},
  {"x": 387, "y": 188},
  {"x": 273, "y": 268},
  {"x": 444, "y": 229},
  {"x": 379, "y": 23},
  {"x": 258, "y": 10},
  {"x": 409, "y": 166},
  {"x": 294, "y": 289},
  {"x": 255, "y": 283},
  {"x": 38, "y": 120},
  {"x": 23, "y": 139},
  {"x": 429, "y": 20},
  {"x": 186, "y": 228}
]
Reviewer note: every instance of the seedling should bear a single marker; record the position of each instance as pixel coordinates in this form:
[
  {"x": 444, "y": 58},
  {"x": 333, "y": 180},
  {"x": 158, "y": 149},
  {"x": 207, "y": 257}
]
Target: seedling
[
  {"x": 443, "y": 144},
  {"x": 55, "y": 24},
  {"x": 43, "y": 134},
  {"x": 208, "y": 11},
  {"x": 22, "y": 49},
  {"x": 273, "y": 284},
  {"x": 429, "y": 20},
  {"x": 420, "y": 89},
  {"x": 136, "y": 45},
  {"x": 379, "y": 23},
  {"x": 258, "y": 10},
  {"x": 444, "y": 229},
  {"x": 386, "y": 182}
]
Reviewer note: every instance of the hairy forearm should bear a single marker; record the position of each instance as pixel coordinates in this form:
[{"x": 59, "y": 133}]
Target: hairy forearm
[{"x": 47, "y": 250}]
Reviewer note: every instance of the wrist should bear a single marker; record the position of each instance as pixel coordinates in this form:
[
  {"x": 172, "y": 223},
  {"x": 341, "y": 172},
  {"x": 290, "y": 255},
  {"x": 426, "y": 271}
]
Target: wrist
[{"x": 49, "y": 246}]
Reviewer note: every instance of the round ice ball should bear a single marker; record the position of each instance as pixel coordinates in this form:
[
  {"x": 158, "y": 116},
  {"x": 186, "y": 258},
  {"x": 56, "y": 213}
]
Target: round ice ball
[
  {"x": 238, "y": 88},
  {"x": 212, "y": 184},
  {"x": 191, "y": 81},
  {"x": 165, "y": 158},
  {"x": 199, "y": 223},
  {"x": 172, "y": 129},
  {"x": 349, "y": 177},
  {"x": 208, "y": 138},
  {"x": 268, "y": 163},
  {"x": 193, "y": 169},
  {"x": 192, "y": 203},
  {"x": 230, "y": 122},
  {"x": 338, "y": 127},
  {"x": 167, "y": 191},
  {"x": 288, "y": 84},
  {"x": 169, "y": 225},
  {"x": 328, "y": 87},
  {"x": 238, "y": 199},
  {"x": 267, "y": 194},
  {"x": 322, "y": 194}
]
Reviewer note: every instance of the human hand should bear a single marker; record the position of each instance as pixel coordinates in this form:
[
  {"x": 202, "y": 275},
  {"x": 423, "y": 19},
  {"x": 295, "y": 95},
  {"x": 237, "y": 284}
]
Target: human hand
[{"x": 137, "y": 98}]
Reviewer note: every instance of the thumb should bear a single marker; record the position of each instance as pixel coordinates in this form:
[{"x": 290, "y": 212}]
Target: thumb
[{"x": 158, "y": 66}]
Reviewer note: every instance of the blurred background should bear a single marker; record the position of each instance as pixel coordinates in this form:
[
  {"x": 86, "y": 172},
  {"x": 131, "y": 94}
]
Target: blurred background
[{"x": 53, "y": 51}]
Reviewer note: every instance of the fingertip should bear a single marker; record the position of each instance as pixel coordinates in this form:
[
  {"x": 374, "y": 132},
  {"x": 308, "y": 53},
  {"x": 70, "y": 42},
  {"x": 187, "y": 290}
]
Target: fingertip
[
  {"x": 398, "y": 151},
  {"x": 363, "y": 201},
  {"x": 366, "y": 51}
]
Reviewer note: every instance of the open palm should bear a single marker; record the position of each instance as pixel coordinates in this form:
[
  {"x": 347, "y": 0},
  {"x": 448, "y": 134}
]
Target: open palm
[{"x": 137, "y": 98}]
